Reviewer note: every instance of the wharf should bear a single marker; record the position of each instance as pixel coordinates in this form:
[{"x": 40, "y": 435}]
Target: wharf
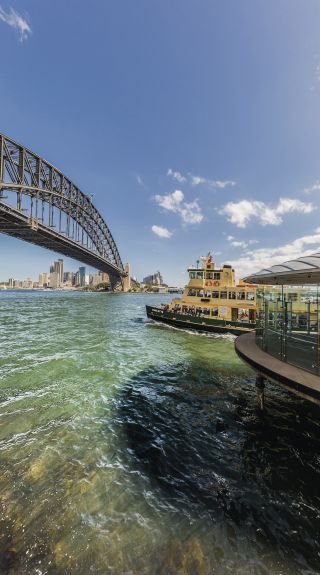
[{"x": 293, "y": 378}]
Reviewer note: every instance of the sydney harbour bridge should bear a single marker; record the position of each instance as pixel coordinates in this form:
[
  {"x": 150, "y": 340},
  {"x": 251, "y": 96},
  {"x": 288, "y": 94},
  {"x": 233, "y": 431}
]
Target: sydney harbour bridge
[{"x": 40, "y": 205}]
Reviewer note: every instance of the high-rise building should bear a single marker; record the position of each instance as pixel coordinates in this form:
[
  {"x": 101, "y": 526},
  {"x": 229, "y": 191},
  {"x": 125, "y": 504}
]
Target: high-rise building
[
  {"x": 43, "y": 279},
  {"x": 68, "y": 277},
  {"x": 94, "y": 279},
  {"x": 155, "y": 279},
  {"x": 27, "y": 284},
  {"x": 54, "y": 280},
  {"x": 104, "y": 277},
  {"x": 59, "y": 270},
  {"x": 82, "y": 276},
  {"x": 57, "y": 267}
]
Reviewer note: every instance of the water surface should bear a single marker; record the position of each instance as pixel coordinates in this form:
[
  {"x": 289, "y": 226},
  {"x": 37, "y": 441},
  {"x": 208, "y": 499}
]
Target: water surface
[{"x": 132, "y": 448}]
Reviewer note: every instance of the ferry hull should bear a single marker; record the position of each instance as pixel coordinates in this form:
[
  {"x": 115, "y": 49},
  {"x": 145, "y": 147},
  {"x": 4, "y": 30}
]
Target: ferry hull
[{"x": 186, "y": 321}]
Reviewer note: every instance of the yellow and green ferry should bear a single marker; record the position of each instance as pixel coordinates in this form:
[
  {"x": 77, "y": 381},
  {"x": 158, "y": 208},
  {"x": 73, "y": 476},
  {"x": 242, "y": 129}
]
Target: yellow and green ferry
[{"x": 211, "y": 302}]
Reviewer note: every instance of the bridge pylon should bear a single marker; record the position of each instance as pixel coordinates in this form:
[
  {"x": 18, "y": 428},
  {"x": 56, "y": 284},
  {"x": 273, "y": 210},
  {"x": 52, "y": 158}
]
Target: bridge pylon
[{"x": 127, "y": 279}]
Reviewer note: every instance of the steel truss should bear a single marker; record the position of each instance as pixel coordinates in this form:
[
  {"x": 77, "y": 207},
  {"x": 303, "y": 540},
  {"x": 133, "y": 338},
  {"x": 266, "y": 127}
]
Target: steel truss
[{"x": 39, "y": 204}]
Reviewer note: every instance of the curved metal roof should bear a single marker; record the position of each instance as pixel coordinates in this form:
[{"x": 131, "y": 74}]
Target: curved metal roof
[{"x": 304, "y": 270}]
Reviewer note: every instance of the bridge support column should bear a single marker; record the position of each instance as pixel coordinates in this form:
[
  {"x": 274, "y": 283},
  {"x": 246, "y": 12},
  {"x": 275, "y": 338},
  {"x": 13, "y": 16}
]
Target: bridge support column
[
  {"x": 115, "y": 283},
  {"x": 260, "y": 387},
  {"x": 127, "y": 279}
]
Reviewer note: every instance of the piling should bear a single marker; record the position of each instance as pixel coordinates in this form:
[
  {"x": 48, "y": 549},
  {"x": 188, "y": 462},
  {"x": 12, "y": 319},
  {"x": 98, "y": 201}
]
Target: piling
[{"x": 260, "y": 386}]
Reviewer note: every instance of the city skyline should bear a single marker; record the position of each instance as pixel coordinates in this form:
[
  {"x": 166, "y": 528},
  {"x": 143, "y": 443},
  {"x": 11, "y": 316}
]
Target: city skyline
[
  {"x": 203, "y": 145},
  {"x": 57, "y": 276},
  {"x": 60, "y": 276}
]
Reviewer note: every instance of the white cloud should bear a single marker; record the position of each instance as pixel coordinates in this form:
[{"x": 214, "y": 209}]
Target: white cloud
[
  {"x": 254, "y": 260},
  {"x": 13, "y": 19},
  {"x": 176, "y": 176},
  {"x": 190, "y": 212},
  {"x": 240, "y": 213},
  {"x": 139, "y": 180},
  {"x": 161, "y": 232},
  {"x": 197, "y": 180},
  {"x": 220, "y": 184},
  {"x": 314, "y": 188},
  {"x": 241, "y": 243},
  {"x": 316, "y": 74}
]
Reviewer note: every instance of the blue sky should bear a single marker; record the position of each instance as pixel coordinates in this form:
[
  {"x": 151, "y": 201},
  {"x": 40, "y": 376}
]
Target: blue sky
[{"x": 195, "y": 124}]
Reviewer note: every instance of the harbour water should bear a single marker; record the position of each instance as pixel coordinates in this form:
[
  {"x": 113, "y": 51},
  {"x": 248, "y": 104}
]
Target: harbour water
[{"x": 131, "y": 448}]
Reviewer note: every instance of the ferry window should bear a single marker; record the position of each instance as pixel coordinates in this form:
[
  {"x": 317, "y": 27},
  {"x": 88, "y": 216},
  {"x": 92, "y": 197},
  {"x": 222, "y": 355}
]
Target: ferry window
[
  {"x": 192, "y": 292},
  {"x": 199, "y": 275},
  {"x": 209, "y": 275},
  {"x": 216, "y": 275},
  {"x": 241, "y": 295},
  {"x": 302, "y": 319},
  {"x": 192, "y": 275},
  {"x": 232, "y": 295},
  {"x": 223, "y": 295},
  {"x": 215, "y": 312},
  {"x": 207, "y": 293},
  {"x": 200, "y": 293},
  {"x": 243, "y": 315},
  {"x": 215, "y": 294},
  {"x": 292, "y": 296},
  {"x": 250, "y": 295}
]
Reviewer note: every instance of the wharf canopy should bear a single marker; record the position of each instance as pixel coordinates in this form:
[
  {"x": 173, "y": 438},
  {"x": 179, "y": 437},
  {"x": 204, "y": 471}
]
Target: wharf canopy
[
  {"x": 288, "y": 311},
  {"x": 304, "y": 270}
]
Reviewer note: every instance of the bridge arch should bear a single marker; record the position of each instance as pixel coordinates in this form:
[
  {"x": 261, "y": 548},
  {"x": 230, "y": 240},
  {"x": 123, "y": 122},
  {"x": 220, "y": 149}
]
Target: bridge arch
[{"x": 40, "y": 205}]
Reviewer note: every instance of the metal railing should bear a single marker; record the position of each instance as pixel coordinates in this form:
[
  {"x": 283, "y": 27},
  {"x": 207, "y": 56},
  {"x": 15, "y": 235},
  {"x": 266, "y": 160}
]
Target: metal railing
[{"x": 288, "y": 324}]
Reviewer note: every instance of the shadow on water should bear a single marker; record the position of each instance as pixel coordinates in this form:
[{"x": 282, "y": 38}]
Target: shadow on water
[
  {"x": 139, "y": 320},
  {"x": 200, "y": 440}
]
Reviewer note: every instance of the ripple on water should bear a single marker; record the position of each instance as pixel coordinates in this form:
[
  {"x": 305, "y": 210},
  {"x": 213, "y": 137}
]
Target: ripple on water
[{"x": 132, "y": 448}]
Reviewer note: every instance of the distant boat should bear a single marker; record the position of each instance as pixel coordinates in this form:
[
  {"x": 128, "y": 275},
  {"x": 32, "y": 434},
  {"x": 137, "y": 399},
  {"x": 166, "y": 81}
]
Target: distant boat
[{"x": 211, "y": 302}]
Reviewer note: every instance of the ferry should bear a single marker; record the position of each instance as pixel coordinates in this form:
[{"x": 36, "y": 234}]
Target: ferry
[{"x": 211, "y": 302}]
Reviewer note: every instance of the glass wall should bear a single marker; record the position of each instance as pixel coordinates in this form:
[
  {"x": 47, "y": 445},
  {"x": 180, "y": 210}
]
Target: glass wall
[{"x": 288, "y": 324}]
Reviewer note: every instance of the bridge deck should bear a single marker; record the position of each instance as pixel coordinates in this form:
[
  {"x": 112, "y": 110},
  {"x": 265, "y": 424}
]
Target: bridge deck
[{"x": 14, "y": 223}]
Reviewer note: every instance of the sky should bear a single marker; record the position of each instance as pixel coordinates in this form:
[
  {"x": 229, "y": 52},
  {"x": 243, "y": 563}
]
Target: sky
[{"x": 195, "y": 124}]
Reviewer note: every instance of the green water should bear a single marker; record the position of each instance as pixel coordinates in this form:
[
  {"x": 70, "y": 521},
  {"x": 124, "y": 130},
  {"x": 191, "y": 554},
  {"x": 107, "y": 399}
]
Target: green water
[{"x": 132, "y": 448}]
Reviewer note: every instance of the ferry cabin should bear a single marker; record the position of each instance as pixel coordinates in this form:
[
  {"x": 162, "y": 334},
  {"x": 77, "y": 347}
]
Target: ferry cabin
[{"x": 214, "y": 293}]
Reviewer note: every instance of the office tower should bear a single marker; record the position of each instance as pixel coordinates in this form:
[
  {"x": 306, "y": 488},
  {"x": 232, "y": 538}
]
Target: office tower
[
  {"x": 43, "y": 279},
  {"x": 54, "y": 280},
  {"x": 57, "y": 268},
  {"x": 155, "y": 279},
  {"x": 82, "y": 276}
]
